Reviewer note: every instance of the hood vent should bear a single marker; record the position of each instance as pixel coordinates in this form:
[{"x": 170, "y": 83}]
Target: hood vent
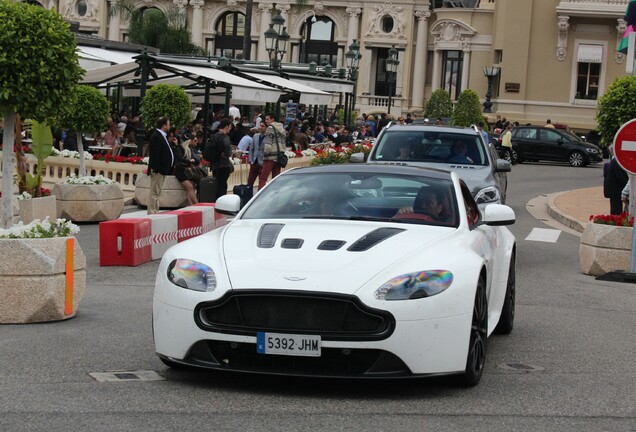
[
  {"x": 268, "y": 234},
  {"x": 373, "y": 238},
  {"x": 331, "y": 245},
  {"x": 292, "y": 243}
]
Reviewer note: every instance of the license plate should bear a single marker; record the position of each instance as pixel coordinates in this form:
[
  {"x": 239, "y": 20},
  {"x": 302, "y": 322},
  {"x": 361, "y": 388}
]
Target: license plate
[{"x": 288, "y": 344}]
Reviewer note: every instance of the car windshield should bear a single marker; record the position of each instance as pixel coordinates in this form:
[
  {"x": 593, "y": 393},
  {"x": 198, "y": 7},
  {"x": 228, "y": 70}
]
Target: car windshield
[
  {"x": 357, "y": 196},
  {"x": 431, "y": 146}
]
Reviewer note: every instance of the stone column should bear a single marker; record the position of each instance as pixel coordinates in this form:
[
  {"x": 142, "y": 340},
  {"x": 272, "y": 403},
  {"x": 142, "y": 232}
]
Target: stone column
[
  {"x": 420, "y": 59},
  {"x": 113, "y": 25},
  {"x": 366, "y": 72},
  {"x": 435, "y": 79},
  {"x": 354, "y": 14},
  {"x": 266, "y": 17},
  {"x": 465, "y": 69},
  {"x": 197, "y": 22}
]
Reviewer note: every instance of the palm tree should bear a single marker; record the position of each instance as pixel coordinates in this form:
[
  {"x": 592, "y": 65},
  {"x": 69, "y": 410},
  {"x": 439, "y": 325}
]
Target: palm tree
[{"x": 151, "y": 27}]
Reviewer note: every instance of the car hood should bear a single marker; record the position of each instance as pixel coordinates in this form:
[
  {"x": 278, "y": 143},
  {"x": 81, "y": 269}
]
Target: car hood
[{"x": 288, "y": 264}]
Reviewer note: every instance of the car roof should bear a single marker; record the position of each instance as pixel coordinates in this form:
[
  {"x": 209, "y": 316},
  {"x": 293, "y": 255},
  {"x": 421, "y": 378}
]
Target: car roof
[
  {"x": 424, "y": 127},
  {"x": 376, "y": 168}
]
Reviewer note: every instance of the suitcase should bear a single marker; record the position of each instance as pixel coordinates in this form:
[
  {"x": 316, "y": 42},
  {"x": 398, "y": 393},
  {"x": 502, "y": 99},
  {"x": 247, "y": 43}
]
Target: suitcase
[
  {"x": 207, "y": 190},
  {"x": 245, "y": 192}
]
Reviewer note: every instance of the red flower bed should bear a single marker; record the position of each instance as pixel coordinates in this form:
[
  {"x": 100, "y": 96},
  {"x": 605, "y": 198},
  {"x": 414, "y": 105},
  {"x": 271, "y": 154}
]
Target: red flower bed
[
  {"x": 136, "y": 160},
  {"x": 619, "y": 220}
]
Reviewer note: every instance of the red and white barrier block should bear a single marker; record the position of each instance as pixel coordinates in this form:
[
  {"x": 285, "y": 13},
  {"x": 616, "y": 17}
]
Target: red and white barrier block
[{"x": 136, "y": 238}]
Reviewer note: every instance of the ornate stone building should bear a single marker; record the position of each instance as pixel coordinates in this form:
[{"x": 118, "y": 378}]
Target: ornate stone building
[{"x": 556, "y": 57}]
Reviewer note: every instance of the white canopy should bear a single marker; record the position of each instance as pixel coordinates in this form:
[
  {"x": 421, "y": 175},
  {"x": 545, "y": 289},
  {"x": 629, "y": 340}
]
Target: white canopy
[
  {"x": 244, "y": 91},
  {"x": 308, "y": 95}
]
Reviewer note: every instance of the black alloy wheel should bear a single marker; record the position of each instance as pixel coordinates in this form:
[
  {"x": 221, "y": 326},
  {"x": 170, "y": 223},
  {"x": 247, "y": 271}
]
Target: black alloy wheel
[
  {"x": 476, "y": 359},
  {"x": 507, "y": 319}
]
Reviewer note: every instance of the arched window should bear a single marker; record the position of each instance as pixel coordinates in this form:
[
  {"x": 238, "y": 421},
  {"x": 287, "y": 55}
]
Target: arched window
[
  {"x": 230, "y": 29},
  {"x": 318, "y": 42}
]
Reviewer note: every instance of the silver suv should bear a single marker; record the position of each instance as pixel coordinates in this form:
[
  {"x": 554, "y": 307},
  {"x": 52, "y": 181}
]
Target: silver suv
[{"x": 458, "y": 149}]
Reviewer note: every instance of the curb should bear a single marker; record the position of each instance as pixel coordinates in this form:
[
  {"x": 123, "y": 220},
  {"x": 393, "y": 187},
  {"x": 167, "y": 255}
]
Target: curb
[{"x": 561, "y": 217}]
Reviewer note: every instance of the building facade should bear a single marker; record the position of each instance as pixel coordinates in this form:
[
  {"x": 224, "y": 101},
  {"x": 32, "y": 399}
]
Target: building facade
[{"x": 555, "y": 57}]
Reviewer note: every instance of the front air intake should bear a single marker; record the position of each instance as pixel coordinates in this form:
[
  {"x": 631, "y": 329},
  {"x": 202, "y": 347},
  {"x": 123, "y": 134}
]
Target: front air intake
[{"x": 268, "y": 234}]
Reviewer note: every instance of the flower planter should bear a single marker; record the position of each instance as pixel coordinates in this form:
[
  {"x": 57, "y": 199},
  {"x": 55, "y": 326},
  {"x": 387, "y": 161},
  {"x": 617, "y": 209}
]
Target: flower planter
[
  {"x": 172, "y": 194},
  {"x": 89, "y": 203},
  {"x": 37, "y": 208},
  {"x": 34, "y": 284},
  {"x": 605, "y": 248}
]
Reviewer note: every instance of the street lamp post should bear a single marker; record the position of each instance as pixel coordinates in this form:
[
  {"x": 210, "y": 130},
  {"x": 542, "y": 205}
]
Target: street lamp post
[
  {"x": 276, "y": 39},
  {"x": 391, "y": 68},
  {"x": 353, "y": 61},
  {"x": 489, "y": 73}
]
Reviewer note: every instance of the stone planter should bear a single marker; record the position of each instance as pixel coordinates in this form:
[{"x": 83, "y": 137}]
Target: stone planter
[
  {"x": 37, "y": 208},
  {"x": 34, "y": 286},
  {"x": 172, "y": 194},
  {"x": 89, "y": 203},
  {"x": 605, "y": 248}
]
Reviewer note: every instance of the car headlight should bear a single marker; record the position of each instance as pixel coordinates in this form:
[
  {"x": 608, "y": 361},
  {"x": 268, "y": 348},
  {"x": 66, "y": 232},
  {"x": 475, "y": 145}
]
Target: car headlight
[
  {"x": 191, "y": 275},
  {"x": 489, "y": 195},
  {"x": 415, "y": 285},
  {"x": 591, "y": 150}
]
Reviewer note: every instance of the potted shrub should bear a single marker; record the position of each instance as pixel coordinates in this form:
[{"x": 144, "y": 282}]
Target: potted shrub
[
  {"x": 468, "y": 110},
  {"x": 43, "y": 276},
  {"x": 606, "y": 244},
  {"x": 36, "y": 78}
]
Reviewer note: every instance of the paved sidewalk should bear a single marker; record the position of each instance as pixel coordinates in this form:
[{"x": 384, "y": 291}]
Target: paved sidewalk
[{"x": 573, "y": 208}]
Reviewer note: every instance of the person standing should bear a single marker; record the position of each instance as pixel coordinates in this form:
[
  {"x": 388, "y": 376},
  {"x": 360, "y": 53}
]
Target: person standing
[
  {"x": 160, "y": 163},
  {"x": 221, "y": 164},
  {"x": 256, "y": 154},
  {"x": 484, "y": 134},
  {"x": 275, "y": 143},
  {"x": 613, "y": 184},
  {"x": 549, "y": 124}
]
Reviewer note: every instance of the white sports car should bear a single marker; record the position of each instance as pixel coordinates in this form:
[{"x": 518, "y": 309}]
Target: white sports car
[{"x": 342, "y": 270}]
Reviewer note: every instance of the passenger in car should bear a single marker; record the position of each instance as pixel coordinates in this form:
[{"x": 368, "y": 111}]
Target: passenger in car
[
  {"x": 459, "y": 152},
  {"x": 404, "y": 151}
]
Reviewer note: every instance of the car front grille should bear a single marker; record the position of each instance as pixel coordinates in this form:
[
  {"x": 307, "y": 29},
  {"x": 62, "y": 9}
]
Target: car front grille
[{"x": 333, "y": 317}]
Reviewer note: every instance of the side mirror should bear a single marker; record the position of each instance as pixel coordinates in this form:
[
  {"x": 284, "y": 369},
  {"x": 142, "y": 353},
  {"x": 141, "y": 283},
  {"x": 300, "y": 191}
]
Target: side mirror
[
  {"x": 228, "y": 205},
  {"x": 502, "y": 165},
  {"x": 498, "y": 214},
  {"x": 356, "y": 158},
  {"x": 559, "y": 141}
]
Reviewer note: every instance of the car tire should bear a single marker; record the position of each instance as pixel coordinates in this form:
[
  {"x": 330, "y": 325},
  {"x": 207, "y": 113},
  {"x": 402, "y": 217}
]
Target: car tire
[
  {"x": 476, "y": 358},
  {"x": 576, "y": 159},
  {"x": 507, "y": 319},
  {"x": 508, "y": 155}
]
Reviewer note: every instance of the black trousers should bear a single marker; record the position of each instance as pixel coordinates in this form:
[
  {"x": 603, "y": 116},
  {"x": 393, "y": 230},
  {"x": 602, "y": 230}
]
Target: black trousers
[
  {"x": 616, "y": 205},
  {"x": 221, "y": 175}
]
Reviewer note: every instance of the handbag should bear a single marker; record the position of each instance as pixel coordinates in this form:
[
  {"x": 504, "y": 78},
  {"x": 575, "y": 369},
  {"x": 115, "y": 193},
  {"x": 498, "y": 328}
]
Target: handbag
[
  {"x": 281, "y": 157},
  {"x": 195, "y": 173}
]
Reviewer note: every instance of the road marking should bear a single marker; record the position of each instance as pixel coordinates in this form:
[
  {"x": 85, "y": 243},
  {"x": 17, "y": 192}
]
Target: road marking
[
  {"x": 141, "y": 375},
  {"x": 544, "y": 235}
]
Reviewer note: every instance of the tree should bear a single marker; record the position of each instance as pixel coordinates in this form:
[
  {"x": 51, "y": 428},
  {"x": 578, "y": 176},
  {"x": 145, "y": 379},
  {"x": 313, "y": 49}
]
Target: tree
[
  {"x": 89, "y": 113},
  {"x": 151, "y": 27},
  {"x": 615, "y": 107},
  {"x": 38, "y": 70},
  {"x": 166, "y": 100},
  {"x": 439, "y": 105},
  {"x": 468, "y": 110}
]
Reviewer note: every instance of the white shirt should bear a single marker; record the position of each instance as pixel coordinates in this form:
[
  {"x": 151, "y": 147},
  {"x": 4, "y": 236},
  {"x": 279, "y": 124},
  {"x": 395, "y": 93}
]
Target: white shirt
[{"x": 234, "y": 113}]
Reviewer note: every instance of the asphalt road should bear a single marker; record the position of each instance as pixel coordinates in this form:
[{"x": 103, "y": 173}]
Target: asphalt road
[{"x": 567, "y": 366}]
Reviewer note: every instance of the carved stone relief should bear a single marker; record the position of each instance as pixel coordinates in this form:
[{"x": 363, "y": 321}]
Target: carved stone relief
[
  {"x": 452, "y": 35},
  {"x": 70, "y": 10},
  {"x": 379, "y": 13},
  {"x": 562, "y": 42},
  {"x": 621, "y": 27}
]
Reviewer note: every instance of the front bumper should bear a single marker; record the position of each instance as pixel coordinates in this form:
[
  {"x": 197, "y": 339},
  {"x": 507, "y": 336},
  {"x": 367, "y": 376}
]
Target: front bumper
[{"x": 414, "y": 347}]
